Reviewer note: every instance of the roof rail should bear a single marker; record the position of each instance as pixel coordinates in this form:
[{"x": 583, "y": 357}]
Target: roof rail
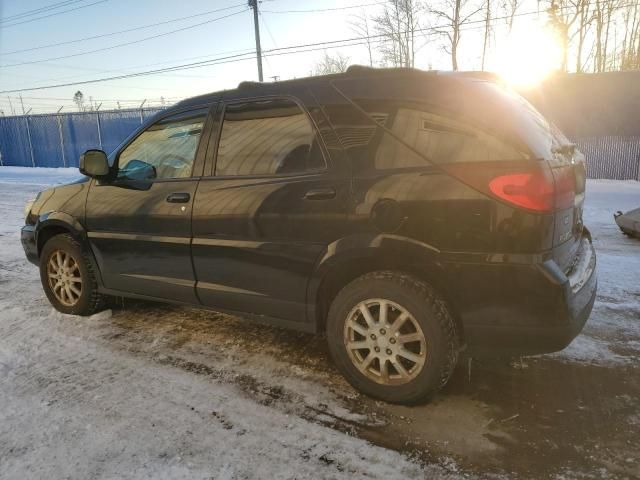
[
  {"x": 362, "y": 69},
  {"x": 359, "y": 69},
  {"x": 477, "y": 74},
  {"x": 247, "y": 84}
]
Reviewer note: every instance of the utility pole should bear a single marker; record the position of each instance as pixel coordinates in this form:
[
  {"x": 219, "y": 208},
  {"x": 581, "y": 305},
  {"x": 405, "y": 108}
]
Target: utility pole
[{"x": 254, "y": 4}]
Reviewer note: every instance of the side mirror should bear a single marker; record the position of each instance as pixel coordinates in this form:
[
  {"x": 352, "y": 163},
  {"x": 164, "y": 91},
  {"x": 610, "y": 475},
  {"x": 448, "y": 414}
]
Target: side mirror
[{"x": 94, "y": 163}]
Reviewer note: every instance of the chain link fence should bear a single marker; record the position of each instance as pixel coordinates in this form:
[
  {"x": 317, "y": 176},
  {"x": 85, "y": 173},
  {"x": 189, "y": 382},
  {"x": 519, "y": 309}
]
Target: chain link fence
[
  {"x": 612, "y": 157},
  {"x": 58, "y": 140}
]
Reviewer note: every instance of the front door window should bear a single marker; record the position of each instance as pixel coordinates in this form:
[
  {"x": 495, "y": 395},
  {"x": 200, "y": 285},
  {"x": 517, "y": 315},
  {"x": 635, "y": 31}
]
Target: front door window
[{"x": 166, "y": 149}]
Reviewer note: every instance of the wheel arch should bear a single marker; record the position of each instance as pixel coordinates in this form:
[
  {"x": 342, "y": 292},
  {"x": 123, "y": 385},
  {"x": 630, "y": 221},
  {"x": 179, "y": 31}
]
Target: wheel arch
[
  {"x": 350, "y": 258},
  {"x": 55, "y": 223}
]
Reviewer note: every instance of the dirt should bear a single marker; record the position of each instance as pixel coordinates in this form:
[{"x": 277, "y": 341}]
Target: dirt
[{"x": 530, "y": 417}]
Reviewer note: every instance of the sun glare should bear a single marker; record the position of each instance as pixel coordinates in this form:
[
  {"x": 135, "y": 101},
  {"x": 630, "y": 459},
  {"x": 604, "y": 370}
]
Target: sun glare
[{"x": 528, "y": 56}]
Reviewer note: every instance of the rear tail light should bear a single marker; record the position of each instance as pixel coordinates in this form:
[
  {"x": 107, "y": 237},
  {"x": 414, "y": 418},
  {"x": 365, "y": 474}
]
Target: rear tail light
[
  {"x": 565, "y": 180},
  {"x": 528, "y": 185},
  {"x": 531, "y": 190}
]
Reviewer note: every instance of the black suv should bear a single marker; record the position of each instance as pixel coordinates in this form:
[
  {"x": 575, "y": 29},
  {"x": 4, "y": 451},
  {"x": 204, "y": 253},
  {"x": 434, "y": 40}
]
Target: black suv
[{"x": 407, "y": 214}]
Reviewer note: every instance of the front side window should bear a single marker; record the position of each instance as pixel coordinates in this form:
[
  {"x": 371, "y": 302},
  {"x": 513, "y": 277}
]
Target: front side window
[
  {"x": 267, "y": 137},
  {"x": 166, "y": 149}
]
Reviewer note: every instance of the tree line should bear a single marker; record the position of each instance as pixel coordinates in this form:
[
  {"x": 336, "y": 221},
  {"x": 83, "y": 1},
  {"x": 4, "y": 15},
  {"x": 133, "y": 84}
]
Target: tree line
[{"x": 593, "y": 35}]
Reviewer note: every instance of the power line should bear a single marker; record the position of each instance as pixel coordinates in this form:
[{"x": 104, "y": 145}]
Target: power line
[
  {"x": 35, "y": 11},
  {"x": 123, "y": 44},
  {"x": 133, "y": 67},
  {"x": 142, "y": 27},
  {"x": 52, "y": 14},
  {"x": 243, "y": 56},
  {"x": 317, "y": 10}
]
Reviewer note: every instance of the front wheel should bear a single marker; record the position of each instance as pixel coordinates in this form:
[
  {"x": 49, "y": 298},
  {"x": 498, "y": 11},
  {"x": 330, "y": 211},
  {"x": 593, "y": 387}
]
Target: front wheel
[
  {"x": 392, "y": 337},
  {"x": 68, "y": 277}
]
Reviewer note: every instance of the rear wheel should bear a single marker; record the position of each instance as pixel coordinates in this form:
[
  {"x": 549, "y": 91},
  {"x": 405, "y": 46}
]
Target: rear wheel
[
  {"x": 68, "y": 278},
  {"x": 392, "y": 337}
]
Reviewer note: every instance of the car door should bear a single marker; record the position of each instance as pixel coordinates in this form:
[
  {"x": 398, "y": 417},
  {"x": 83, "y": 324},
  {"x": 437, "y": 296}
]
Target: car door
[
  {"x": 139, "y": 222},
  {"x": 268, "y": 211}
]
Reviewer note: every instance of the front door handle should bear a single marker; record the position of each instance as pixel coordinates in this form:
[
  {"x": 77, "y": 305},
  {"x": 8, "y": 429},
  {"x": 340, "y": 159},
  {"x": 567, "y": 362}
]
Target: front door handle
[
  {"x": 178, "y": 197},
  {"x": 320, "y": 194}
]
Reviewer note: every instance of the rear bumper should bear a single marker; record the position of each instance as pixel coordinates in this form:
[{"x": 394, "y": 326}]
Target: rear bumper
[
  {"x": 28, "y": 239},
  {"x": 537, "y": 309}
]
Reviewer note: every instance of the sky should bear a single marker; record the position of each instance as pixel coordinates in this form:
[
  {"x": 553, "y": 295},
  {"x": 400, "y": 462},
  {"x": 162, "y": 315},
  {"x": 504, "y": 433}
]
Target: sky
[{"x": 204, "y": 36}]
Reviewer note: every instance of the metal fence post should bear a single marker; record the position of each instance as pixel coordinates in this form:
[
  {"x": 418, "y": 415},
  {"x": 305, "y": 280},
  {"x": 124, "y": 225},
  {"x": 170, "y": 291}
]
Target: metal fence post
[
  {"x": 64, "y": 158},
  {"x": 99, "y": 132},
  {"x": 33, "y": 162},
  {"x": 141, "y": 117}
]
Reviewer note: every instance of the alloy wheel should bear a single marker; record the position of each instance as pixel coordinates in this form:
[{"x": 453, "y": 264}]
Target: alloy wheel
[
  {"x": 65, "y": 279},
  {"x": 385, "y": 342}
]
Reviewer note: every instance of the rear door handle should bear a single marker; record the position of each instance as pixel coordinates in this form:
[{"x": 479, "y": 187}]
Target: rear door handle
[
  {"x": 178, "y": 197},
  {"x": 320, "y": 194}
]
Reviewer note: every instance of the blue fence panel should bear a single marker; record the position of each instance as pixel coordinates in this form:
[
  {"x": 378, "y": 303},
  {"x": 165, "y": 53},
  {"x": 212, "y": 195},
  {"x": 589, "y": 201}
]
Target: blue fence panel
[
  {"x": 116, "y": 126},
  {"x": 80, "y": 132},
  {"x": 45, "y": 140},
  {"x": 150, "y": 112},
  {"x": 14, "y": 142}
]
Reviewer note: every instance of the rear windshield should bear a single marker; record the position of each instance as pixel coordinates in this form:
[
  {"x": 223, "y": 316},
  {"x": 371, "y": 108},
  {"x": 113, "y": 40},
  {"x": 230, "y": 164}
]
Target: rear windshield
[{"x": 539, "y": 133}]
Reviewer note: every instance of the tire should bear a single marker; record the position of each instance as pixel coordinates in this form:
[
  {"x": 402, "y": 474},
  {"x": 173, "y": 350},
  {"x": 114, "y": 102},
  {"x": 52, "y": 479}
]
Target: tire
[
  {"x": 404, "y": 297},
  {"x": 89, "y": 301}
]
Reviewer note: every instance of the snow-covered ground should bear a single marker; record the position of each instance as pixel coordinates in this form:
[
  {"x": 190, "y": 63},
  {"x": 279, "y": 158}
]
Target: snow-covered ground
[
  {"x": 38, "y": 175},
  {"x": 612, "y": 334},
  {"x": 159, "y": 391}
]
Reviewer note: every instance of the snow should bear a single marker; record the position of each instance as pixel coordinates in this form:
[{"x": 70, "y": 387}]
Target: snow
[
  {"x": 614, "y": 325},
  {"x": 158, "y": 391},
  {"x": 38, "y": 175},
  {"x": 71, "y": 407}
]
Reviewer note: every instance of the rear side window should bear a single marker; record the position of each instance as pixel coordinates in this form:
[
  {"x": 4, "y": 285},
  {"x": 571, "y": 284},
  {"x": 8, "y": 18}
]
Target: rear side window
[
  {"x": 267, "y": 137},
  {"x": 438, "y": 137}
]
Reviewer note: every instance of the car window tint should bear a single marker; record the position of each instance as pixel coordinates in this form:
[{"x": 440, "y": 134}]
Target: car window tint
[
  {"x": 439, "y": 138},
  {"x": 448, "y": 140},
  {"x": 166, "y": 149},
  {"x": 270, "y": 137}
]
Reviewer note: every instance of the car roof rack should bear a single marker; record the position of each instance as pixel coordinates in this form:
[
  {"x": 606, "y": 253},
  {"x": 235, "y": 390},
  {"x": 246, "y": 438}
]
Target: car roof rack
[{"x": 248, "y": 84}]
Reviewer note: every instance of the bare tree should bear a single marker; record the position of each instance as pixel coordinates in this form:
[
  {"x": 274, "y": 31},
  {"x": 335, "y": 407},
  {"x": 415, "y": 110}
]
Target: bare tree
[
  {"x": 453, "y": 15},
  {"x": 630, "y": 49},
  {"x": 331, "y": 64},
  {"x": 604, "y": 14},
  {"x": 585, "y": 19},
  {"x": 487, "y": 32},
  {"x": 360, "y": 26},
  {"x": 571, "y": 19},
  {"x": 78, "y": 99},
  {"x": 398, "y": 24},
  {"x": 510, "y": 7}
]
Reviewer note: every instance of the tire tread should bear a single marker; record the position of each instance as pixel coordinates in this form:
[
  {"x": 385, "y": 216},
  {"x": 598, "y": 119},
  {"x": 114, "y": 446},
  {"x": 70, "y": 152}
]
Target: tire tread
[
  {"x": 447, "y": 324},
  {"x": 96, "y": 301}
]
